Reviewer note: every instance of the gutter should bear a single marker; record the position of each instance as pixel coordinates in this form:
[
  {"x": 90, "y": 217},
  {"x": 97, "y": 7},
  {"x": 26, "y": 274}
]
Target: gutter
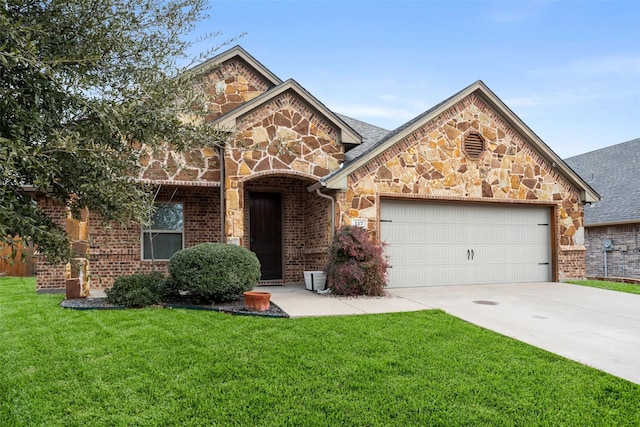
[
  {"x": 221, "y": 154},
  {"x": 333, "y": 210}
]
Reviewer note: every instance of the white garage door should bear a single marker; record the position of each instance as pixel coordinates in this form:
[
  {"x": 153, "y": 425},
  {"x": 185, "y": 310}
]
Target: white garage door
[{"x": 434, "y": 244}]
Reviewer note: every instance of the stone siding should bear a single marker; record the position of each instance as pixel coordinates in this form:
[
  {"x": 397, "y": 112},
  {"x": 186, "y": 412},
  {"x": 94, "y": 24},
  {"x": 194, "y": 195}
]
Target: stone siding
[
  {"x": 230, "y": 85},
  {"x": 430, "y": 163},
  {"x": 166, "y": 165},
  {"x": 620, "y": 263},
  {"x": 285, "y": 134},
  {"x": 283, "y": 137},
  {"x": 226, "y": 86}
]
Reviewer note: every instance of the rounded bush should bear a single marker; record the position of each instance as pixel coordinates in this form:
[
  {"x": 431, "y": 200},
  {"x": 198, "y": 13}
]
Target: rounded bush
[
  {"x": 356, "y": 266},
  {"x": 214, "y": 271},
  {"x": 136, "y": 290}
]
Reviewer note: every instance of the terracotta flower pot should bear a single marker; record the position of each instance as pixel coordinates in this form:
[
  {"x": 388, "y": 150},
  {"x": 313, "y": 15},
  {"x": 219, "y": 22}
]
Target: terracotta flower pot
[{"x": 256, "y": 300}]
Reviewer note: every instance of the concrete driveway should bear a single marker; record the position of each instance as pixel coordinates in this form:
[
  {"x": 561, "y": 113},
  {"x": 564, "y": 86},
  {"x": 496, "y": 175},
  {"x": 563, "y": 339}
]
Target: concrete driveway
[{"x": 596, "y": 327}]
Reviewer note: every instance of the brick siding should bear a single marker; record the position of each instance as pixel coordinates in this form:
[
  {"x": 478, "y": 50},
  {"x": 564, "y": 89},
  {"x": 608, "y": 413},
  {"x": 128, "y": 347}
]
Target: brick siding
[
  {"x": 571, "y": 264},
  {"x": 306, "y": 227},
  {"x": 51, "y": 276},
  {"x": 116, "y": 251}
]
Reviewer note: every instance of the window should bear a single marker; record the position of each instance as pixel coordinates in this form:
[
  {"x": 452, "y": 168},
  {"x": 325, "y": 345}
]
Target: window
[{"x": 165, "y": 236}]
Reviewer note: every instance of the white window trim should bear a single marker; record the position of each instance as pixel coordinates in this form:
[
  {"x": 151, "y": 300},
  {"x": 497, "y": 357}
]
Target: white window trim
[{"x": 144, "y": 231}]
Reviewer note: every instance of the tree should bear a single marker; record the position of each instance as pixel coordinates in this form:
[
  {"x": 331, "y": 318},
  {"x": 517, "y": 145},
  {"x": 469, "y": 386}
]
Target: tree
[{"x": 84, "y": 84}]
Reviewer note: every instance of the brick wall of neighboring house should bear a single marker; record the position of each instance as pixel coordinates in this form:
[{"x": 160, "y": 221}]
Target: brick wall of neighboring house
[
  {"x": 619, "y": 263},
  {"x": 431, "y": 163},
  {"x": 116, "y": 251},
  {"x": 306, "y": 223}
]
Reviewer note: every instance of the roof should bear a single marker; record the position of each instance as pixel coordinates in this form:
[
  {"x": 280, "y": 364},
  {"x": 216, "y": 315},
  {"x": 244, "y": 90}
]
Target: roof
[
  {"x": 614, "y": 173},
  {"x": 233, "y": 53},
  {"x": 347, "y": 134},
  {"x": 370, "y": 135},
  {"x": 338, "y": 179}
]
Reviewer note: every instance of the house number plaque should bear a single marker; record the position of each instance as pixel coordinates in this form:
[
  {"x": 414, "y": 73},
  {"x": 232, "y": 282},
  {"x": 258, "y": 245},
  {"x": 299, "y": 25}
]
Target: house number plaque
[{"x": 360, "y": 222}]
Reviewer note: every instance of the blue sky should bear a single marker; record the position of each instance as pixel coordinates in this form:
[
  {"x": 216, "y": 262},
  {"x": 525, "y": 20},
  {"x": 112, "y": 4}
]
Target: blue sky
[{"x": 569, "y": 69}]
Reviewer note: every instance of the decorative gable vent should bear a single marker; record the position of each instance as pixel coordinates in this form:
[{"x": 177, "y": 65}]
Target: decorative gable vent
[{"x": 473, "y": 145}]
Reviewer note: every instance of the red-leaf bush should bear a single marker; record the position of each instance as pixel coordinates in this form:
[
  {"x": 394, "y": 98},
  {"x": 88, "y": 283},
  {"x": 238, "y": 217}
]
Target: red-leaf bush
[{"x": 356, "y": 266}]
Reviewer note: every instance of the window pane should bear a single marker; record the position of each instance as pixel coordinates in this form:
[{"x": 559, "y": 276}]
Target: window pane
[
  {"x": 167, "y": 217},
  {"x": 164, "y": 245}
]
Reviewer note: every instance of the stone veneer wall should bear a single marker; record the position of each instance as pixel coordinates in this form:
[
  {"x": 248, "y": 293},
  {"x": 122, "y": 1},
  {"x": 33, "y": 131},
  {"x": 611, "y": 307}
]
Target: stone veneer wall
[
  {"x": 306, "y": 223},
  {"x": 116, "y": 251},
  {"x": 430, "y": 164},
  {"x": 227, "y": 86},
  {"x": 284, "y": 136},
  {"x": 619, "y": 263},
  {"x": 166, "y": 165},
  {"x": 230, "y": 85}
]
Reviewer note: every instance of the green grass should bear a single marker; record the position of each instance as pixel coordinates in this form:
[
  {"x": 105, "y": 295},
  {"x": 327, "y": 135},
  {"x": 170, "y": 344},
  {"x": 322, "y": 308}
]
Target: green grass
[
  {"x": 612, "y": 286},
  {"x": 154, "y": 366}
]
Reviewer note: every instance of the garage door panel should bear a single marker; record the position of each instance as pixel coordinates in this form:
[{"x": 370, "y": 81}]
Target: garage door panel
[{"x": 432, "y": 244}]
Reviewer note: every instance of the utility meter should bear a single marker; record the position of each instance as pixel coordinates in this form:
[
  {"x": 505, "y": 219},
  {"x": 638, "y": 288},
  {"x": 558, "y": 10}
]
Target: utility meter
[{"x": 607, "y": 245}]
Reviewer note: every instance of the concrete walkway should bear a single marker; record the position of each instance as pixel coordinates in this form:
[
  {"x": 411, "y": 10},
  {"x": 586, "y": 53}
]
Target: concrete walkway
[{"x": 592, "y": 326}]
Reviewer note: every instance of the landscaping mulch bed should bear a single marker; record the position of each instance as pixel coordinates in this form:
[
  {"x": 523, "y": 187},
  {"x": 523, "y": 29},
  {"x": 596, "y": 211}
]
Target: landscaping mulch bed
[{"x": 236, "y": 307}]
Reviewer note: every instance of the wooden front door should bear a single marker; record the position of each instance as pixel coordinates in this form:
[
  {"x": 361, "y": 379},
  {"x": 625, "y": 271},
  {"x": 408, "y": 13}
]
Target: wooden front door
[{"x": 265, "y": 233}]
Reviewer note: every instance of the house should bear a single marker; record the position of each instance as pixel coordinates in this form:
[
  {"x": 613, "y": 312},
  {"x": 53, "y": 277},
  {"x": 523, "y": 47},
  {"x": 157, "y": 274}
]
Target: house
[
  {"x": 612, "y": 226},
  {"x": 463, "y": 193}
]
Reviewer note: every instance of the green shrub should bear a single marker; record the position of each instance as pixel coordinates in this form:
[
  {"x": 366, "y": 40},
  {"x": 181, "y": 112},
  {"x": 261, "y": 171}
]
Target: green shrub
[
  {"x": 167, "y": 290},
  {"x": 136, "y": 290},
  {"x": 356, "y": 266},
  {"x": 213, "y": 272}
]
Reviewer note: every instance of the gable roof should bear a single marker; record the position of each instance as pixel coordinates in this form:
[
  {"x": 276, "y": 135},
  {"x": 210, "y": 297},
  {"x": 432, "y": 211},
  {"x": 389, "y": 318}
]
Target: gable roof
[
  {"x": 615, "y": 173},
  {"x": 236, "y": 52},
  {"x": 346, "y": 135},
  {"x": 338, "y": 179}
]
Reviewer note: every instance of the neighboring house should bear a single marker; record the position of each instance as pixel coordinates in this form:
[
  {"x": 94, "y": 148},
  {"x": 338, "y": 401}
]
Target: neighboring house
[
  {"x": 614, "y": 172},
  {"x": 464, "y": 193}
]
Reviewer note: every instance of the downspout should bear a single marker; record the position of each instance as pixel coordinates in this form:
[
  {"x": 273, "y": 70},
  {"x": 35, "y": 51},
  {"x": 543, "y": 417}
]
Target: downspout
[
  {"x": 333, "y": 211},
  {"x": 221, "y": 153}
]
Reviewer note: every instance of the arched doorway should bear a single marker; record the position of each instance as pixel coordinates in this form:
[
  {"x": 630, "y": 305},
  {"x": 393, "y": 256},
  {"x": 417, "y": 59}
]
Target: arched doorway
[{"x": 286, "y": 226}]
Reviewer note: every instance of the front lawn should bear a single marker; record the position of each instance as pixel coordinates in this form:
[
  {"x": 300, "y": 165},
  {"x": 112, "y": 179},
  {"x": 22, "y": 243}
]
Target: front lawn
[
  {"x": 154, "y": 366},
  {"x": 630, "y": 288}
]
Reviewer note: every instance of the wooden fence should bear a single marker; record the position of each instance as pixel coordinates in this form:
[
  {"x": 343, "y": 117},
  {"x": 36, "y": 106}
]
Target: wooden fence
[{"x": 16, "y": 267}]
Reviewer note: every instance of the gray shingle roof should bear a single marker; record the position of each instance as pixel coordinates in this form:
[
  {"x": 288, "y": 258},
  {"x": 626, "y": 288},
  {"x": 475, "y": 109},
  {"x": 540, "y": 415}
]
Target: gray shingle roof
[
  {"x": 614, "y": 172},
  {"x": 370, "y": 135}
]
